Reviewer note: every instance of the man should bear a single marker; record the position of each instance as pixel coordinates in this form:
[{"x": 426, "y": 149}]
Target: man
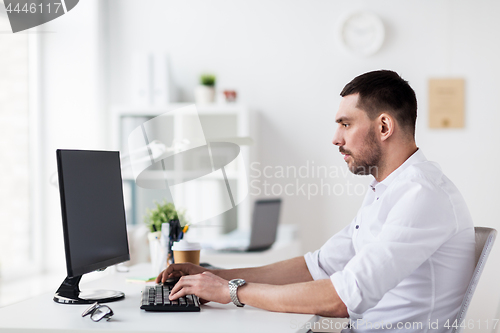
[{"x": 403, "y": 263}]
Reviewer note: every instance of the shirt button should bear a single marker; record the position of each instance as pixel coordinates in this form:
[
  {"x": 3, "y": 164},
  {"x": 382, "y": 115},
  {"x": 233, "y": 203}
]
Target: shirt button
[
  {"x": 357, "y": 227},
  {"x": 377, "y": 198}
]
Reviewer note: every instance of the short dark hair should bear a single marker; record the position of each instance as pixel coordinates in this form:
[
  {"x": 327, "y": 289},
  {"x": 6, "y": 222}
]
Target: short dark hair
[{"x": 385, "y": 90}]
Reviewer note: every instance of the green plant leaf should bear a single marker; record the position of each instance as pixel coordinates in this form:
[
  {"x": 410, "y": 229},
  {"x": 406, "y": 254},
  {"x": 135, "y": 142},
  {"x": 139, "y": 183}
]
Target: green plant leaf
[
  {"x": 207, "y": 80},
  {"x": 163, "y": 213}
]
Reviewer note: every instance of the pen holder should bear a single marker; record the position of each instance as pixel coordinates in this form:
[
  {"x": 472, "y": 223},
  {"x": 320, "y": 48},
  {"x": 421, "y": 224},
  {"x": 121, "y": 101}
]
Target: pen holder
[{"x": 160, "y": 245}]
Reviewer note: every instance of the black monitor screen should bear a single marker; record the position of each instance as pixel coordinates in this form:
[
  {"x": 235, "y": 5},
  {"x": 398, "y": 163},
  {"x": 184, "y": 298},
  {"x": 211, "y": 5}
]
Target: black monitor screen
[{"x": 95, "y": 232}]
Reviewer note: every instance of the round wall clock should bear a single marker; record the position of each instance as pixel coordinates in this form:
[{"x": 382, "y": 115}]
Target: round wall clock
[{"x": 361, "y": 32}]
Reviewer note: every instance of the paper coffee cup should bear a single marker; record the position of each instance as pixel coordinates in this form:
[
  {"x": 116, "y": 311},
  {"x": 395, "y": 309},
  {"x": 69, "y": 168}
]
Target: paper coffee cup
[{"x": 185, "y": 251}]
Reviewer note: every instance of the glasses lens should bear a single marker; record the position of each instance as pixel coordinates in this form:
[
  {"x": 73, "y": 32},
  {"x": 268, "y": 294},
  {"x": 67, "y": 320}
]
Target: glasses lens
[{"x": 101, "y": 312}]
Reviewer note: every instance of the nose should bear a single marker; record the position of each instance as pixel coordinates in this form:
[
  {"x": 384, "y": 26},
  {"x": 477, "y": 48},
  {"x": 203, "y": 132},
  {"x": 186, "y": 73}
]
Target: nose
[{"x": 338, "y": 138}]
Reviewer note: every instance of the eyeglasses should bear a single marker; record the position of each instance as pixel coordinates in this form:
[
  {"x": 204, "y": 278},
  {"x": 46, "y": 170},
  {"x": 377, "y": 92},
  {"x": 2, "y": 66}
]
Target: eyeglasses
[{"x": 98, "y": 312}]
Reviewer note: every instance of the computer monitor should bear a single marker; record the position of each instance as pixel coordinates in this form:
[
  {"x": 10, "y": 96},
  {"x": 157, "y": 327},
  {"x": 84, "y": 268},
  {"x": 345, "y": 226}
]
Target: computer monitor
[{"x": 93, "y": 217}]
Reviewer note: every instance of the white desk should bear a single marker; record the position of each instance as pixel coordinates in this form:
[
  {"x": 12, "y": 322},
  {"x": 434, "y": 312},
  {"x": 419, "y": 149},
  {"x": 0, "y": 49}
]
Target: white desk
[{"x": 42, "y": 314}]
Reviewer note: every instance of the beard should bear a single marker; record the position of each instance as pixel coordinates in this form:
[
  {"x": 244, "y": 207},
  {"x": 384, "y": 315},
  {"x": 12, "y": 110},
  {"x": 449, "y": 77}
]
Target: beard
[{"x": 367, "y": 160}]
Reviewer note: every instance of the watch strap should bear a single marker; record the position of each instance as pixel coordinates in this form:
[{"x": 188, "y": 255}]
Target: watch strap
[{"x": 233, "y": 291}]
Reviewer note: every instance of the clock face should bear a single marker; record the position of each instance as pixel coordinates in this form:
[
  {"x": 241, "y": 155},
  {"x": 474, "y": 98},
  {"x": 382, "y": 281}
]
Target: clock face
[{"x": 361, "y": 33}]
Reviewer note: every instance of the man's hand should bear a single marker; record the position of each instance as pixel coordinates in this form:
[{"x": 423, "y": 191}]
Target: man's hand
[
  {"x": 207, "y": 286},
  {"x": 177, "y": 270}
]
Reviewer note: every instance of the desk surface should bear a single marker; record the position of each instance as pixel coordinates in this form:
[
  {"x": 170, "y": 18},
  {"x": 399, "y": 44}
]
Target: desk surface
[{"x": 42, "y": 314}]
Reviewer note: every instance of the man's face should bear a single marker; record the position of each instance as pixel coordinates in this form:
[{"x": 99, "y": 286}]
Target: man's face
[{"x": 356, "y": 138}]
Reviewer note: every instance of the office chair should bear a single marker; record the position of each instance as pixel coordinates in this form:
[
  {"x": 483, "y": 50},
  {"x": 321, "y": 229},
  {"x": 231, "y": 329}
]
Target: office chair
[{"x": 485, "y": 237}]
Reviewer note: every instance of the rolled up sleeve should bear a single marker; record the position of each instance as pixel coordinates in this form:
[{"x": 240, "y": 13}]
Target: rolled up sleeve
[
  {"x": 312, "y": 262},
  {"x": 332, "y": 256}
]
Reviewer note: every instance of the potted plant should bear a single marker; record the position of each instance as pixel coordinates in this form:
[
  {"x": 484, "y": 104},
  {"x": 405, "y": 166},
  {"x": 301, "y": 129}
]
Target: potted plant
[
  {"x": 163, "y": 213},
  {"x": 205, "y": 92},
  {"x": 160, "y": 247}
]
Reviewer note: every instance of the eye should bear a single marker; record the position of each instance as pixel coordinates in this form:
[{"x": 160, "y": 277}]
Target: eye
[{"x": 345, "y": 125}]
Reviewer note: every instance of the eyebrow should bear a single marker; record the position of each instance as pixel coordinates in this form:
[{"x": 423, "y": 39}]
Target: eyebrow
[{"x": 342, "y": 119}]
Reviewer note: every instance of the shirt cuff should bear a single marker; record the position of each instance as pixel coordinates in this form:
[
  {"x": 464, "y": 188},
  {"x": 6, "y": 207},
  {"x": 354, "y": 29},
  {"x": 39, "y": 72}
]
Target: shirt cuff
[
  {"x": 312, "y": 262},
  {"x": 347, "y": 288}
]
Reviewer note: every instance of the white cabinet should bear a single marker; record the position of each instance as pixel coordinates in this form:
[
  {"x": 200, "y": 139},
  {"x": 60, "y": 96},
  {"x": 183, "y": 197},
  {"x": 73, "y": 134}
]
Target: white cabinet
[{"x": 171, "y": 134}]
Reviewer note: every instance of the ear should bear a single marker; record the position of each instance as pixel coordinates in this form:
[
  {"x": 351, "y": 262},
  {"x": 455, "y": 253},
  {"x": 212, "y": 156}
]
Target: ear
[{"x": 386, "y": 126}]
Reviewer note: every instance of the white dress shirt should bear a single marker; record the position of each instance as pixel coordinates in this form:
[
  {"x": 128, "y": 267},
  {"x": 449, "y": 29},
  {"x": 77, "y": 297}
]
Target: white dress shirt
[{"x": 406, "y": 259}]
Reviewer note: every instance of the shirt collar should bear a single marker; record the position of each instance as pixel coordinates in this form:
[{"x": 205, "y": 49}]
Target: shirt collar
[{"x": 380, "y": 187}]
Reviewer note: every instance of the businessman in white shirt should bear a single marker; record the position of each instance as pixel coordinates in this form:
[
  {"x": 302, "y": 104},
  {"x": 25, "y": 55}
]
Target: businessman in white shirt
[{"x": 402, "y": 264}]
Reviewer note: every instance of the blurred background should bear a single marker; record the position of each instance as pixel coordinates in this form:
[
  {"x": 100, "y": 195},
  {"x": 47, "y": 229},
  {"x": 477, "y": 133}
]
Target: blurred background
[{"x": 82, "y": 80}]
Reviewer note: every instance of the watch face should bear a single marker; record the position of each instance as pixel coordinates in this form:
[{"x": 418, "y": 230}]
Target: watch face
[
  {"x": 361, "y": 33},
  {"x": 238, "y": 282}
]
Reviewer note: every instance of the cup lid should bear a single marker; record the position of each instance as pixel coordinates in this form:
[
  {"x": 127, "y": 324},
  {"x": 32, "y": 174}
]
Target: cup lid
[{"x": 184, "y": 245}]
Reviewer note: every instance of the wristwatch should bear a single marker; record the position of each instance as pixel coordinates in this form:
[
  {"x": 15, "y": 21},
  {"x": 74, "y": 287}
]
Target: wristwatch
[{"x": 233, "y": 291}]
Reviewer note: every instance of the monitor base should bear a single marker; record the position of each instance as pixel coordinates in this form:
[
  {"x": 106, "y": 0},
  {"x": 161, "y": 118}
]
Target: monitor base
[{"x": 69, "y": 293}]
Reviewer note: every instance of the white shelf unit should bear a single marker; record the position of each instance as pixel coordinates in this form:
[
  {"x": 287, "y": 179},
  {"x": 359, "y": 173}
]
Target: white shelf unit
[{"x": 221, "y": 123}]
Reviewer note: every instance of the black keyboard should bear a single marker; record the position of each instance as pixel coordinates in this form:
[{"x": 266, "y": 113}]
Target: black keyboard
[{"x": 155, "y": 298}]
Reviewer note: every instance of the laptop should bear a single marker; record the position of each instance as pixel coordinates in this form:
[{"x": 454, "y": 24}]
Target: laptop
[{"x": 263, "y": 231}]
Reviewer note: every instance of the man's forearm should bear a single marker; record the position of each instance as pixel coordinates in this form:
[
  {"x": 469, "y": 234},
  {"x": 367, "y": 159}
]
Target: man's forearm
[
  {"x": 284, "y": 272},
  {"x": 315, "y": 297}
]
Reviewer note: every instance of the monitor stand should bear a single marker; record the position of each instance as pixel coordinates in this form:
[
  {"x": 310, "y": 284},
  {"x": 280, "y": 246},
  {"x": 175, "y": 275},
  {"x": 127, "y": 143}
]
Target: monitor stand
[{"x": 69, "y": 293}]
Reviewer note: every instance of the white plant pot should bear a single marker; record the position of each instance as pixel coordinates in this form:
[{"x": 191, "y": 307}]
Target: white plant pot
[
  {"x": 204, "y": 94},
  {"x": 157, "y": 252}
]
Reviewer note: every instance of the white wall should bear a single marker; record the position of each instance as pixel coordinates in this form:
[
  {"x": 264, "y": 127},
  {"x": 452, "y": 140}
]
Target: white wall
[
  {"x": 281, "y": 57},
  {"x": 73, "y": 116}
]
